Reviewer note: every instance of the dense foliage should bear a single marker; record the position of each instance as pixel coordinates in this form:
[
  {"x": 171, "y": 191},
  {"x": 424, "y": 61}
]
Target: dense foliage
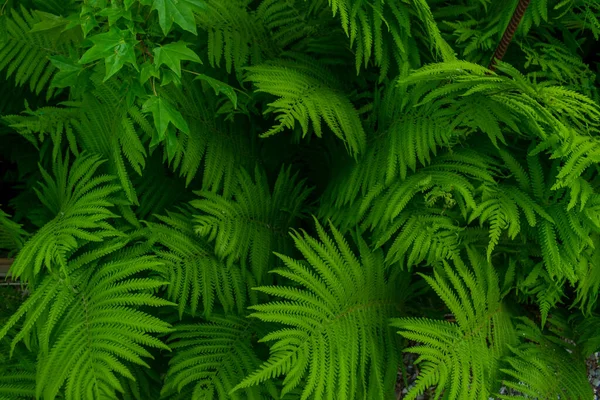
[{"x": 245, "y": 199}]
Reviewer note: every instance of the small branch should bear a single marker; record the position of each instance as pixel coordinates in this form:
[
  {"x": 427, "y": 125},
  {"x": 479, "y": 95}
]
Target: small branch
[
  {"x": 509, "y": 33},
  {"x": 145, "y": 50}
]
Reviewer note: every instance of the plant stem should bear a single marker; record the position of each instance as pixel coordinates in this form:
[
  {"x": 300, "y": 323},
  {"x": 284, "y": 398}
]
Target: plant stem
[{"x": 509, "y": 33}]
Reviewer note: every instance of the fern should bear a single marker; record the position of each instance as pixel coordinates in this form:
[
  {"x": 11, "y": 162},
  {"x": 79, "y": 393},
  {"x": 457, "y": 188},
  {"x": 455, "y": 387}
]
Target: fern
[
  {"x": 213, "y": 148},
  {"x": 18, "y": 374},
  {"x": 581, "y": 15},
  {"x": 57, "y": 122},
  {"x": 78, "y": 202},
  {"x": 107, "y": 127},
  {"x": 462, "y": 357},
  {"x": 209, "y": 358},
  {"x": 367, "y": 25},
  {"x": 193, "y": 271},
  {"x": 100, "y": 124},
  {"x": 248, "y": 226},
  {"x": 336, "y": 341},
  {"x": 306, "y": 97},
  {"x": 234, "y": 34},
  {"x": 12, "y": 236},
  {"x": 428, "y": 237},
  {"x": 24, "y": 53},
  {"x": 156, "y": 154},
  {"x": 92, "y": 325},
  {"x": 587, "y": 332},
  {"x": 543, "y": 367}
]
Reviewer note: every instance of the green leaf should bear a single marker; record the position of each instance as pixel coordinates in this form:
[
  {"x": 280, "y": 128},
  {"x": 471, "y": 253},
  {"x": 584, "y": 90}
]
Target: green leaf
[
  {"x": 115, "y": 13},
  {"x": 172, "y": 54},
  {"x": 116, "y": 47},
  {"x": 220, "y": 87},
  {"x": 68, "y": 71},
  {"x": 49, "y": 21},
  {"x": 128, "y": 3},
  {"x": 87, "y": 20},
  {"x": 3, "y": 30},
  {"x": 164, "y": 113},
  {"x": 148, "y": 70},
  {"x": 177, "y": 11},
  {"x": 169, "y": 76},
  {"x": 171, "y": 142}
]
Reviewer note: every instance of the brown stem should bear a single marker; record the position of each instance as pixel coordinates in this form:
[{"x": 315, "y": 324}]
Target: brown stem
[{"x": 509, "y": 33}]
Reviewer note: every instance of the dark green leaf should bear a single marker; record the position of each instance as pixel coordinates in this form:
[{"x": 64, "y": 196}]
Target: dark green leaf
[
  {"x": 115, "y": 13},
  {"x": 116, "y": 47},
  {"x": 172, "y": 54},
  {"x": 164, "y": 113},
  {"x": 69, "y": 70},
  {"x": 49, "y": 21},
  {"x": 148, "y": 70},
  {"x": 3, "y": 32},
  {"x": 220, "y": 87},
  {"x": 177, "y": 11},
  {"x": 169, "y": 76}
]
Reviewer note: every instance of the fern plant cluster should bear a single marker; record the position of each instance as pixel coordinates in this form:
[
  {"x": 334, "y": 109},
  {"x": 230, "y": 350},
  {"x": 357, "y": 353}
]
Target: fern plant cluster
[{"x": 276, "y": 199}]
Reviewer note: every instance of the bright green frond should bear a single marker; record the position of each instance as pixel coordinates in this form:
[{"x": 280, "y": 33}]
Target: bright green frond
[
  {"x": 12, "y": 236},
  {"x": 337, "y": 343},
  {"x": 246, "y": 227},
  {"x": 210, "y": 357},
  {"x": 462, "y": 358},
  {"x": 196, "y": 275},
  {"x": 542, "y": 368},
  {"x": 305, "y": 96},
  {"x": 92, "y": 325},
  {"x": 79, "y": 200}
]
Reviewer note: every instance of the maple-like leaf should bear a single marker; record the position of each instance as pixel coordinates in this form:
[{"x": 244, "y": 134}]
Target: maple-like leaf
[
  {"x": 164, "y": 113},
  {"x": 172, "y": 54},
  {"x": 116, "y": 47},
  {"x": 180, "y": 12}
]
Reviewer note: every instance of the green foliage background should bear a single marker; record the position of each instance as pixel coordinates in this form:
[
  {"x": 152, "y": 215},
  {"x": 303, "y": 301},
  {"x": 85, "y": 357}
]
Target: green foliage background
[{"x": 242, "y": 199}]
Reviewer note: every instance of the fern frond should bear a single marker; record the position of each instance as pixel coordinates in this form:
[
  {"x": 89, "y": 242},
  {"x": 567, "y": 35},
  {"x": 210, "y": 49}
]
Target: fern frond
[
  {"x": 450, "y": 175},
  {"x": 100, "y": 123},
  {"x": 581, "y": 14},
  {"x": 542, "y": 368},
  {"x": 588, "y": 278},
  {"x": 336, "y": 341},
  {"x": 109, "y": 127},
  {"x": 556, "y": 62},
  {"x": 420, "y": 236},
  {"x": 235, "y": 35},
  {"x": 214, "y": 149},
  {"x": 17, "y": 381},
  {"x": 24, "y": 54},
  {"x": 383, "y": 30},
  {"x": 249, "y": 225},
  {"x": 78, "y": 198},
  {"x": 12, "y": 236},
  {"x": 501, "y": 206},
  {"x": 461, "y": 358},
  {"x": 210, "y": 357},
  {"x": 57, "y": 122},
  {"x": 306, "y": 96},
  {"x": 193, "y": 271},
  {"x": 547, "y": 108},
  {"x": 92, "y": 324},
  {"x": 588, "y": 335}
]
